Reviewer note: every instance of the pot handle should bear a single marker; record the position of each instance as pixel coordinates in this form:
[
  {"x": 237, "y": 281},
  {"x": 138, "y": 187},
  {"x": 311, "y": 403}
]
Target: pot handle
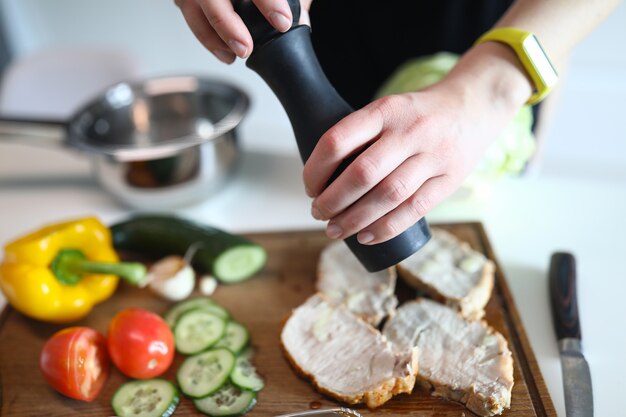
[{"x": 33, "y": 132}]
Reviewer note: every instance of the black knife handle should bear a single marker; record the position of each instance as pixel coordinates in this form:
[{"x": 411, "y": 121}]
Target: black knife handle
[{"x": 563, "y": 296}]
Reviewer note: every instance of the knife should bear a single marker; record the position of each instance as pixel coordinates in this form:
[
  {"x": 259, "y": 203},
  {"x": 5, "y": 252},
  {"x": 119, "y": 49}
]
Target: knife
[
  {"x": 335, "y": 412},
  {"x": 576, "y": 375}
]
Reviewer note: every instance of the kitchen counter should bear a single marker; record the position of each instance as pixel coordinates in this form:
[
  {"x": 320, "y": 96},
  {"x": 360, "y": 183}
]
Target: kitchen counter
[{"x": 526, "y": 220}]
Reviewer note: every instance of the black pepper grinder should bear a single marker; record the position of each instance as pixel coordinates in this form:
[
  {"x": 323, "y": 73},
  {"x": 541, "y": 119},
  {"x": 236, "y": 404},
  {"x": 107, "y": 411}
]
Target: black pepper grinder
[{"x": 287, "y": 63}]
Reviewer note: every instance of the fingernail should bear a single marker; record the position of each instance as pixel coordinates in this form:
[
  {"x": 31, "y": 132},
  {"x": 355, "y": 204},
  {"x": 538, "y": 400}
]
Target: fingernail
[
  {"x": 333, "y": 231},
  {"x": 238, "y": 48},
  {"x": 308, "y": 192},
  {"x": 365, "y": 237},
  {"x": 316, "y": 213},
  {"x": 280, "y": 21},
  {"x": 224, "y": 56}
]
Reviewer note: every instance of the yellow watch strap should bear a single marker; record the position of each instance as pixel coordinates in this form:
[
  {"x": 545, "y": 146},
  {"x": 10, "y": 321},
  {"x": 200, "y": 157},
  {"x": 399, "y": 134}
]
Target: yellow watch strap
[{"x": 532, "y": 56}]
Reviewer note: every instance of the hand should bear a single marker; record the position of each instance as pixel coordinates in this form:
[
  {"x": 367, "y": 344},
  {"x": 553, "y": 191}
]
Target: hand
[
  {"x": 221, "y": 30},
  {"x": 421, "y": 147}
]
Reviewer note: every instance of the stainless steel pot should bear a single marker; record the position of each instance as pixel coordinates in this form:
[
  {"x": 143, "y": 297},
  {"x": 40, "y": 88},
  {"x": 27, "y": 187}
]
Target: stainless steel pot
[{"x": 160, "y": 143}]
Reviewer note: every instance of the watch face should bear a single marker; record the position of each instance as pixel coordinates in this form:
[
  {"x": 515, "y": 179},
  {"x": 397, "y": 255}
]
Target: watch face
[{"x": 540, "y": 60}]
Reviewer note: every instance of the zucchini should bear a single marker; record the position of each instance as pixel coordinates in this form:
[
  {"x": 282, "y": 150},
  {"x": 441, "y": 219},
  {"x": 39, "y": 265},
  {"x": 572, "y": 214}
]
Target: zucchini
[
  {"x": 235, "y": 337},
  {"x": 228, "y": 401},
  {"x": 230, "y": 258},
  {"x": 203, "y": 374},
  {"x": 197, "y": 330},
  {"x": 145, "y": 398},
  {"x": 244, "y": 375},
  {"x": 204, "y": 303}
]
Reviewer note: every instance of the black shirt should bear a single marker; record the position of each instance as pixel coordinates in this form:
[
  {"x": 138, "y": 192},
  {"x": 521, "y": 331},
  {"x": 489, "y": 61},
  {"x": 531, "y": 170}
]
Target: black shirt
[{"x": 361, "y": 42}]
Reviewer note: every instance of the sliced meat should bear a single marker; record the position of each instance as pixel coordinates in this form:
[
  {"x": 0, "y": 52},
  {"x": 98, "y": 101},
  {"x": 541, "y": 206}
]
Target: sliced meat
[
  {"x": 461, "y": 360},
  {"x": 345, "y": 357},
  {"x": 450, "y": 271},
  {"x": 344, "y": 280}
]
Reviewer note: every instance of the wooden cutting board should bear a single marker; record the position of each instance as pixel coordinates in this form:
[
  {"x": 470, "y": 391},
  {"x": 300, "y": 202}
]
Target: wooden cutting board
[{"x": 261, "y": 304}]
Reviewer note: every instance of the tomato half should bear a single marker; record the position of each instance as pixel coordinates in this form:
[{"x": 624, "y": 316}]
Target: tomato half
[
  {"x": 74, "y": 361},
  {"x": 140, "y": 343}
]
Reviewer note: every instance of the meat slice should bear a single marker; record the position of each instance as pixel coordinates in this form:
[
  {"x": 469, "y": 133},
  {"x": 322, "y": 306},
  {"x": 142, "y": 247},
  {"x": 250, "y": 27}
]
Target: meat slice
[
  {"x": 344, "y": 280},
  {"x": 451, "y": 272},
  {"x": 461, "y": 360},
  {"x": 345, "y": 357}
]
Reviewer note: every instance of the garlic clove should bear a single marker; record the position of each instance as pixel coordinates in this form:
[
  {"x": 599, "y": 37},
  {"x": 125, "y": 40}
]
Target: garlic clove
[
  {"x": 208, "y": 285},
  {"x": 172, "y": 278}
]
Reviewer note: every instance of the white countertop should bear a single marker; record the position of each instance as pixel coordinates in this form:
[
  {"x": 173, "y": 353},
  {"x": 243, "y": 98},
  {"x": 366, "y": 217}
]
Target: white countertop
[{"x": 526, "y": 220}]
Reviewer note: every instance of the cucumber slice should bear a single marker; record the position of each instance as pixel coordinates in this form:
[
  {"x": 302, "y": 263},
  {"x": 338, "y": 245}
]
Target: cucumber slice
[
  {"x": 239, "y": 263},
  {"x": 203, "y": 374},
  {"x": 244, "y": 375},
  {"x": 228, "y": 401},
  {"x": 217, "y": 310},
  {"x": 202, "y": 302},
  {"x": 247, "y": 353},
  {"x": 235, "y": 338},
  {"x": 197, "y": 330},
  {"x": 145, "y": 398}
]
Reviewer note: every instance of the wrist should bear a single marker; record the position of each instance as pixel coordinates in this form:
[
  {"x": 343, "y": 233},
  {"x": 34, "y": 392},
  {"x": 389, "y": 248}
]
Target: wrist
[{"x": 493, "y": 71}]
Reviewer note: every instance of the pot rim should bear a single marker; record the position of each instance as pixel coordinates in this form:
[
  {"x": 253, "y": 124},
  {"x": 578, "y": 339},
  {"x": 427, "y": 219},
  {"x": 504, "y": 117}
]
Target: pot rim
[{"x": 154, "y": 86}]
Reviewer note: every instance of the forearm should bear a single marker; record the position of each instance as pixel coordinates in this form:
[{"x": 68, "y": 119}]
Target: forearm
[
  {"x": 558, "y": 24},
  {"x": 493, "y": 71}
]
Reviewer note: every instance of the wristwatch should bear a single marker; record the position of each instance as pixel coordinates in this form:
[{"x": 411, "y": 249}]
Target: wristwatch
[{"x": 534, "y": 59}]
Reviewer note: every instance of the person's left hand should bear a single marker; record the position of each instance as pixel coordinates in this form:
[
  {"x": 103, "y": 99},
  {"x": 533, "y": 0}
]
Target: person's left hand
[{"x": 421, "y": 147}]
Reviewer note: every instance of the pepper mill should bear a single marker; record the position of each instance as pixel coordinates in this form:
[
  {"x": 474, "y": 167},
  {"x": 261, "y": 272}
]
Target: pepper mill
[{"x": 288, "y": 64}]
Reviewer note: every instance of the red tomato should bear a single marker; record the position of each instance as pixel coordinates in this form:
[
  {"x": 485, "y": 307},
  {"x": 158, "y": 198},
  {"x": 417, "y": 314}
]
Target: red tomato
[
  {"x": 75, "y": 362},
  {"x": 141, "y": 344}
]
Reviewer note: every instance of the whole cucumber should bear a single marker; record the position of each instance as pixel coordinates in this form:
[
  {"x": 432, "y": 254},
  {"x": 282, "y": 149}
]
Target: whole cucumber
[{"x": 229, "y": 257}]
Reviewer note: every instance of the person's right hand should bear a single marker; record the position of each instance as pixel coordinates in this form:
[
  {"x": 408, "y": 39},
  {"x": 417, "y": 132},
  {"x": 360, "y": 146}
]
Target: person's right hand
[{"x": 221, "y": 30}]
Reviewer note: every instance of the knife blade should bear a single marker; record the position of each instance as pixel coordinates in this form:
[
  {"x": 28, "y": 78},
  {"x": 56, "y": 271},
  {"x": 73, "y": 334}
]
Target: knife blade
[
  {"x": 335, "y": 412},
  {"x": 576, "y": 375}
]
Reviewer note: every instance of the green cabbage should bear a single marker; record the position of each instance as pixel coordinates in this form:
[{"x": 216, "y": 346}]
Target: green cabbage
[{"x": 515, "y": 145}]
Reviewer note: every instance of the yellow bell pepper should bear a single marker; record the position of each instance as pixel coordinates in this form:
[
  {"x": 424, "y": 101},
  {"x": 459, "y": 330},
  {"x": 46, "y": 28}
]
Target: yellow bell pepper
[{"x": 60, "y": 272}]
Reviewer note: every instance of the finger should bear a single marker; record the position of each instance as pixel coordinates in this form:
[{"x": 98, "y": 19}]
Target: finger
[
  {"x": 390, "y": 193},
  {"x": 305, "y": 6},
  {"x": 431, "y": 193},
  {"x": 305, "y": 18},
  {"x": 343, "y": 139},
  {"x": 277, "y": 12},
  {"x": 228, "y": 25},
  {"x": 361, "y": 176},
  {"x": 194, "y": 16}
]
